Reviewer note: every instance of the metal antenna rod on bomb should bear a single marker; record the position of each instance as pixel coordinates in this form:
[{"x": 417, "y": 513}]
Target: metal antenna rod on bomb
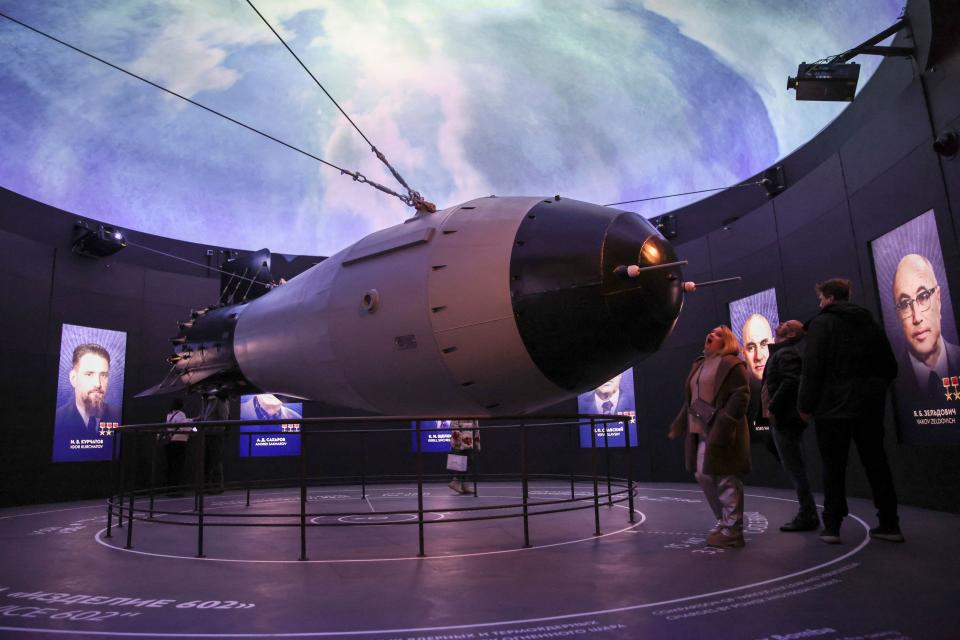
[{"x": 633, "y": 271}]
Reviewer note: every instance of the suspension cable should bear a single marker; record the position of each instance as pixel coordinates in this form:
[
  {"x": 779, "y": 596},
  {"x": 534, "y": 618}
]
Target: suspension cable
[
  {"x": 356, "y": 175},
  {"x": 688, "y": 193},
  {"x": 413, "y": 197},
  {"x": 196, "y": 263}
]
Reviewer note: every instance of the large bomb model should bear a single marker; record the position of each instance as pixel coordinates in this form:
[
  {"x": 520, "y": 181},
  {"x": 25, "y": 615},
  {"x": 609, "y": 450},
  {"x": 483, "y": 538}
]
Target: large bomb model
[{"x": 496, "y": 306}]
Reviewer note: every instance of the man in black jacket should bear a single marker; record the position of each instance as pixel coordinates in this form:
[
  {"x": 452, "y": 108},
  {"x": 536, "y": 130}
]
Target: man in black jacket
[
  {"x": 848, "y": 365},
  {"x": 781, "y": 382}
]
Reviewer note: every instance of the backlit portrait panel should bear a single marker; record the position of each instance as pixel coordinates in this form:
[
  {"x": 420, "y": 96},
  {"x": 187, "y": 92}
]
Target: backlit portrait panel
[
  {"x": 919, "y": 321},
  {"x": 89, "y": 393}
]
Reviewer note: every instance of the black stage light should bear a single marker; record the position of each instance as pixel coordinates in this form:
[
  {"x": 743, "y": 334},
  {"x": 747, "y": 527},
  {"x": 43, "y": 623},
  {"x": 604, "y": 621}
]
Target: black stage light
[
  {"x": 947, "y": 144},
  {"x": 666, "y": 225},
  {"x": 773, "y": 180},
  {"x": 97, "y": 241},
  {"x": 826, "y": 81}
]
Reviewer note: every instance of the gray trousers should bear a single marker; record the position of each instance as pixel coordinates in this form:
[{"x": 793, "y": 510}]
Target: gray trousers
[{"x": 724, "y": 494}]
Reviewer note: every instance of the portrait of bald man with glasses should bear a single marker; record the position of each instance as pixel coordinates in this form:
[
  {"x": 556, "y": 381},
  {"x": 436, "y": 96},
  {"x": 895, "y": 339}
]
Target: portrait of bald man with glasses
[{"x": 917, "y": 300}]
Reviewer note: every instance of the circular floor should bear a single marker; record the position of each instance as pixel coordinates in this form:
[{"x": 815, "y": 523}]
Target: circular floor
[{"x": 653, "y": 578}]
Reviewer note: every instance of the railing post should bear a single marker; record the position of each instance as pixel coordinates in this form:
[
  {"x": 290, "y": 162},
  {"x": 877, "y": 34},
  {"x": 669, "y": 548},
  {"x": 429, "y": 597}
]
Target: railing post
[
  {"x": 525, "y": 484},
  {"x": 303, "y": 495},
  {"x": 420, "y": 489},
  {"x": 153, "y": 472},
  {"x": 250, "y": 457},
  {"x": 606, "y": 455},
  {"x": 593, "y": 461},
  {"x": 133, "y": 490},
  {"x": 363, "y": 465},
  {"x": 116, "y": 484},
  {"x": 573, "y": 434},
  {"x": 122, "y": 483},
  {"x": 626, "y": 431},
  {"x": 200, "y": 487}
]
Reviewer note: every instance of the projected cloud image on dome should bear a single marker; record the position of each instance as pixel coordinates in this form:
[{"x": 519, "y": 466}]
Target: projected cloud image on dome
[{"x": 599, "y": 101}]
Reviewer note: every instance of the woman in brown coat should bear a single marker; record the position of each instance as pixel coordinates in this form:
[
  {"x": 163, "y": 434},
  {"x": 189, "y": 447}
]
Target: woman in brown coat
[{"x": 714, "y": 421}]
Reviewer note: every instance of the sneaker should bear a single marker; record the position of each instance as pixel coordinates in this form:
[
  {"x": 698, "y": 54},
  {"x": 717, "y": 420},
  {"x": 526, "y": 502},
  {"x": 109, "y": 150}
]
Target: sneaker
[
  {"x": 456, "y": 486},
  {"x": 802, "y": 523},
  {"x": 831, "y": 535},
  {"x": 720, "y": 539},
  {"x": 890, "y": 534},
  {"x": 716, "y": 528},
  {"x": 465, "y": 488}
]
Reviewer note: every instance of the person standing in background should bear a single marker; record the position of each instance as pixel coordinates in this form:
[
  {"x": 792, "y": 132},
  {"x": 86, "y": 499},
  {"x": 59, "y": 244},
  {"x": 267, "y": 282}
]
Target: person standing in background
[
  {"x": 176, "y": 446},
  {"x": 848, "y": 366},
  {"x": 465, "y": 441},
  {"x": 781, "y": 382}
]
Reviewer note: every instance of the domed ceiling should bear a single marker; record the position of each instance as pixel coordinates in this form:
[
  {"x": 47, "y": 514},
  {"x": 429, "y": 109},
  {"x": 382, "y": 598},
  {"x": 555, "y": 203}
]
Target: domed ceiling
[{"x": 599, "y": 101}]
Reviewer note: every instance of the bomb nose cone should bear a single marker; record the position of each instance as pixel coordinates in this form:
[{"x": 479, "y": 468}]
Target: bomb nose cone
[{"x": 581, "y": 319}]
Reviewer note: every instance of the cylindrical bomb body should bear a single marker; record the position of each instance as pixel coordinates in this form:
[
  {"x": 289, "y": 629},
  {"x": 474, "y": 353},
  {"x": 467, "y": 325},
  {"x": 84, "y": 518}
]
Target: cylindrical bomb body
[{"x": 428, "y": 317}]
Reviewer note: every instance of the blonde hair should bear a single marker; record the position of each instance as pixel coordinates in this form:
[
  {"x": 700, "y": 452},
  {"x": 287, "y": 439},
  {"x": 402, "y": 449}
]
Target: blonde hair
[{"x": 731, "y": 346}]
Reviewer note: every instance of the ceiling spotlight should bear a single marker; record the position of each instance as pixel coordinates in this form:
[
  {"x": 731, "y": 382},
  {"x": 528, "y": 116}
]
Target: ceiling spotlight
[
  {"x": 96, "y": 241},
  {"x": 666, "y": 224},
  {"x": 947, "y": 144},
  {"x": 773, "y": 180}
]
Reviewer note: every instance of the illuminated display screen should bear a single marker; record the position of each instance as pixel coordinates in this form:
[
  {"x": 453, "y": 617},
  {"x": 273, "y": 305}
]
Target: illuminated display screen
[
  {"x": 614, "y": 397},
  {"x": 434, "y": 436},
  {"x": 754, "y": 321},
  {"x": 919, "y": 321},
  {"x": 89, "y": 393},
  {"x": 270, "y": 439}
]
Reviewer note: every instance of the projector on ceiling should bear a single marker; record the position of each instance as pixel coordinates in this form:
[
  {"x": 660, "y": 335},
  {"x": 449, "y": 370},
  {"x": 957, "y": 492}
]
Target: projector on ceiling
[{"x": 835, "y": 82}]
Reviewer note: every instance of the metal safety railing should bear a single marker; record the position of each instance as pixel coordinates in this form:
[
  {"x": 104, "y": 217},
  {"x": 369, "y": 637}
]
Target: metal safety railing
[{"x": 122, "y": 504}]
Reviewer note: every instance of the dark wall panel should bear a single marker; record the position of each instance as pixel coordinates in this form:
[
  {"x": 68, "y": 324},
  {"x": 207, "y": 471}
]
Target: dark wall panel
[
  {"x": 883, "y": 141},
  {"x": 758, "y": 272},
  {"x": 25, "y": 279},
  {"x": 699, "y": 307},
  {"x": 951, "y": 176},
  {"x": 752, "y": 232},
  {"x": 944, "y": 92},
  {"x": 661, "y": 397},
  {"x": 815, "y": 194},
  {"x": 822, "y": 249},
  {"x": 902, "y": 192},
  {"x": 26, "y": 269},
  {"x": 104, "y": 276},
  {"x": 25, "y": 443}
]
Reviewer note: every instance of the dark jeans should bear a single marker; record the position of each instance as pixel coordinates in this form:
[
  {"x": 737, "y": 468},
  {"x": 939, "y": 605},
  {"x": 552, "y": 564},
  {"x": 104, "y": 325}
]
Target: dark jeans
[
  {"x": 789, "y": 443},
  {"x": 213, "y": 460},
  {"x": 833, "y": 439},
  {"x": 176, "y": 457}
]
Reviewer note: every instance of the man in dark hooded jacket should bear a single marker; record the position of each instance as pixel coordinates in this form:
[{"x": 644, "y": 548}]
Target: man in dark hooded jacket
[
  {"x": 848, "y": 365},
  {"x": 781, "y": 382}
]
